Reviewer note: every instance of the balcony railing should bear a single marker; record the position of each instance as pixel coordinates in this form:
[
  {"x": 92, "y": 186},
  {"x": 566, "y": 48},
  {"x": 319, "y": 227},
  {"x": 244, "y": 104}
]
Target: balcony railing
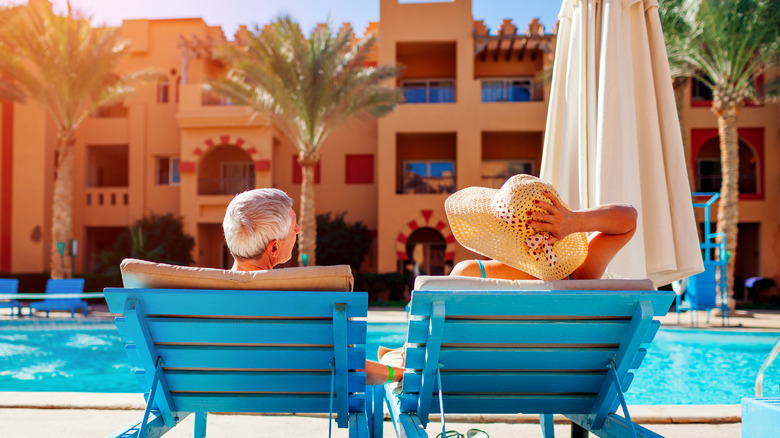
[
  {"x": 506, "y": 92},
  {"x": 210, "y": 98},
  {"x": 429, "y": 92},
  {"x": 107, "y": 196},
  {"x": 427, "y": 184},
  {"x": 224, "y": 186}
]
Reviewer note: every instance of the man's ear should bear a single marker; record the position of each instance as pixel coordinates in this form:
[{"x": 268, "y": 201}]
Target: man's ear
[{"x": 273, "y": 248}]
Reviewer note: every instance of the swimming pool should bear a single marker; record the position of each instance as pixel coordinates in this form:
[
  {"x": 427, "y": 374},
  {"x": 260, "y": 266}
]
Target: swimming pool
[{"x": 683, "y": 366}]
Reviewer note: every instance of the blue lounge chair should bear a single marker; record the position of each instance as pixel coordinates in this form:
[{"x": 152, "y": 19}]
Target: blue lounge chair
[
  {"x": 536, "y": 351},
  {"x": 10, "y": 286},
  {"x": 63, "y": 286},
  {"x": 243, "y": 351}
]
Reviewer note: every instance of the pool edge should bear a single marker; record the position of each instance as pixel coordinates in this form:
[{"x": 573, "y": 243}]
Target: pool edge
[{"x": 647, "y": 414}]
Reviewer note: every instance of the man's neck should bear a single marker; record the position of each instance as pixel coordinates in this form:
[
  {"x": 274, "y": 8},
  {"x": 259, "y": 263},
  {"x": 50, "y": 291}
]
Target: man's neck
[{"x": 263, "y": 263}]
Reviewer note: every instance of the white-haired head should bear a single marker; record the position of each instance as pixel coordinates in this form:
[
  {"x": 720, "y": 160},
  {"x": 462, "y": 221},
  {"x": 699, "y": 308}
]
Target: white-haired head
[{"x": 255, "y": 218}]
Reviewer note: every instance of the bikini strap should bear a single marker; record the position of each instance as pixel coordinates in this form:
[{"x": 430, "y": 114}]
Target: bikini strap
[{"x": 481, "y": 268}]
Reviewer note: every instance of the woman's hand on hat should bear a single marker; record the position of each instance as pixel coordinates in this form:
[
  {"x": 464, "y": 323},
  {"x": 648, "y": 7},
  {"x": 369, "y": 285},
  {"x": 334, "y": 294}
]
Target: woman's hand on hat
[{"x": 559, "y": 221}]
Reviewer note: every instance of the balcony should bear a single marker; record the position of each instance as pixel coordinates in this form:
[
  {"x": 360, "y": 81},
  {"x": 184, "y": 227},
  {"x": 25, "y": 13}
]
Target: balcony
[
  {"x": 210, "y": 98},
  {"x": 225, "y": 186},
  {"x": 106, "y": 206},
  {"x": 416, "y": 184},
  {"x": 511, "y": 90},
  {"x": 429, "y": 91}
]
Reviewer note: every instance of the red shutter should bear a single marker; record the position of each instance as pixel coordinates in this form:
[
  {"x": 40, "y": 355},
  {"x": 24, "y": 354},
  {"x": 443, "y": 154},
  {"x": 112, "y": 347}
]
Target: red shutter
[{"x": 360, "y": 169}]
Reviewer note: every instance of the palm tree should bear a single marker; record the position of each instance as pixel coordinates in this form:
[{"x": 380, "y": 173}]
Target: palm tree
[
  {"x": 68, "y": 67},
  {"x": 307, "y": 88},
  {"x": 726, "y": 45}
]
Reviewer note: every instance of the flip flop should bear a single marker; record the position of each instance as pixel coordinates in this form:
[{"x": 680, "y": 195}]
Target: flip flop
[{"x": 471, "y": 433}]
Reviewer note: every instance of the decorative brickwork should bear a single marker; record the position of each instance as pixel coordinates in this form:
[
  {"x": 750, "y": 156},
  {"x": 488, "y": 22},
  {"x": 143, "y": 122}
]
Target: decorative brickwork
[{"x": 427, "y": 218}]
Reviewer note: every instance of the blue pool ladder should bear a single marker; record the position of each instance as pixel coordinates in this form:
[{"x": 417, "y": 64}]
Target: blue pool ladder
[{"x": 702, "y": 290}]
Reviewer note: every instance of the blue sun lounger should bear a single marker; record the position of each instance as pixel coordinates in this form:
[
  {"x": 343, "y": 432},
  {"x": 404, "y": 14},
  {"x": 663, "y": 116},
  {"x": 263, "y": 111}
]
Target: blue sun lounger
[
  {"x": 63, "y": 286},
  {"x": 10, "y": 286},
  {"x": 244, "y": 351},
  {"x": 500, "y": 347}
]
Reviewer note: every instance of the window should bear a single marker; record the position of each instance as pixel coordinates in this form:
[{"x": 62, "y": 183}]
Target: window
[
  {"x": 360, "y": 169},
  {"x": 237, "y": 177},
  {"x": 428, "y": 177},
  {"x": 508, "y": 90},
  {"x": 700, "y": 92},
  {"x": 708, "y": 170},
  {"x": 708, "y": 176},
  {"x": 429, "y": 91},
  {"x": 168, "y": 171},
  {"x": 163, "y": 90},
  {"x": 496, "y": 172},
  {"x": 298, "y": 172}
]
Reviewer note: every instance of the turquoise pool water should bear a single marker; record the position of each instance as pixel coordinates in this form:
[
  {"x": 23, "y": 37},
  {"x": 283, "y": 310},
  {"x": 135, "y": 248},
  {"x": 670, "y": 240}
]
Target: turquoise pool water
[{"x": 683, "y": 366}]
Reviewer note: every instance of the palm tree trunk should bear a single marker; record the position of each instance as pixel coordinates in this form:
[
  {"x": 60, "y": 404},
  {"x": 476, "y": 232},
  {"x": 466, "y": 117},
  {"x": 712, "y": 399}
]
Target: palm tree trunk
[
  {"x": 62, "y": 206},
  {"x": 679, "y": 85},
  {"x": 307, "y": 239},
  {"x": 728, "y": 207}
]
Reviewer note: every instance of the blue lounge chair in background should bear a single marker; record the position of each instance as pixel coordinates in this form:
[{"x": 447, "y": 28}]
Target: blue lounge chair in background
[
  {"x": 243, "y": 351},
  {"x": 10, "y": 286},
  {"x": 495, "y": 346},
  {"x": 63, "y": 286}
]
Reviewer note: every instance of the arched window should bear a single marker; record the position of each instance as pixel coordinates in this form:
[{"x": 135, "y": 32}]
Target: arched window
[{"x": 708, "y": 168}]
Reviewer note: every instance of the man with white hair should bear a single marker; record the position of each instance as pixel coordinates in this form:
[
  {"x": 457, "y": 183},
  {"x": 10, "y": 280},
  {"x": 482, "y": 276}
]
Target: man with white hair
[{"x": 260, "y": 230}]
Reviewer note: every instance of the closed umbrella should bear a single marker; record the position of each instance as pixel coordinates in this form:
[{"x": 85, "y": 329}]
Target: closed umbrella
[{"x": 612, "y": 133}]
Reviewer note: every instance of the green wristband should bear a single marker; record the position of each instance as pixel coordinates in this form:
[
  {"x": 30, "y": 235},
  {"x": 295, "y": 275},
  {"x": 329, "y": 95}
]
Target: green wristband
[{"x": 390, "y": 377}]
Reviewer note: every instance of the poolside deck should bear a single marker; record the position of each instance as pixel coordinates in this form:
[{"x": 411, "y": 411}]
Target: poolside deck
[{"x": 26, "y": 414}]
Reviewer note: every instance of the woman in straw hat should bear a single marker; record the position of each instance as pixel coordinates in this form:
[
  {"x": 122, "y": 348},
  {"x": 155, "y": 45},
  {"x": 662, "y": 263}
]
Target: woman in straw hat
[{"x": 529, "y": 233}]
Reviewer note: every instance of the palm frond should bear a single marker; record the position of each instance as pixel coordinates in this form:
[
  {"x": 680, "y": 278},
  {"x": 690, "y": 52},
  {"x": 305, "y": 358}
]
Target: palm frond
[
  {"x": 306, "y": 86},
  {"x": 62, "y": 62},
  {"x": 725, "y": 44}
]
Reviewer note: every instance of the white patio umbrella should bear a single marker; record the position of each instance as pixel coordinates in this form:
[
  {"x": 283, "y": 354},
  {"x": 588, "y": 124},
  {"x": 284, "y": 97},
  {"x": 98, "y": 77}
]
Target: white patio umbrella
[{"x": 612, "y": 133}]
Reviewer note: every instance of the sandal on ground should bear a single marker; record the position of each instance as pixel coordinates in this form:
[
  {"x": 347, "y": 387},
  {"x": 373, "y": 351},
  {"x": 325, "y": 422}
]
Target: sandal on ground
[{"x": 471, "y": 433}]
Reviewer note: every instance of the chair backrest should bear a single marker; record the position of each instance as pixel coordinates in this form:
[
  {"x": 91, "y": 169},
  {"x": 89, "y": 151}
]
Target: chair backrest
[
  {"x": 65, "y": 286},
  {"x": 246, "y": 351},
  {"x": 526, "y": 351},
  {"x": 9, "y": 285}
]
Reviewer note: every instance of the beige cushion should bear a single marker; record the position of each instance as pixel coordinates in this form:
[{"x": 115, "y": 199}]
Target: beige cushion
[
  {"x": 444, "y": 283},
  {"x": 143, "y": 274}
]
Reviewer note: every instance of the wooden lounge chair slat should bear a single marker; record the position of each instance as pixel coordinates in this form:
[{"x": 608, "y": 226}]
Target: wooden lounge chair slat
[
  {"x": 286, "y": 332},
  {"x": 260, "y": 403},
  {"x": 256, "y": 358},
  {"x": 260, "y": 382},
  {"x": 516, "y": 358},
  {"x": 535, "y": 382},
  {"x": 188, "y": 302},
  {"x": 523, "y": 332},
  {"x": 542, "y": 303}
]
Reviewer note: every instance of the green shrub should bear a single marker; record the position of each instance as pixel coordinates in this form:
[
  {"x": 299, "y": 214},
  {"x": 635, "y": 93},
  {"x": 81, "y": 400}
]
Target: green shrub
[
  {"x": 339, "y": 243},
  {"x": 389, "y": 287},
  {"x": 154, "y": 238}
]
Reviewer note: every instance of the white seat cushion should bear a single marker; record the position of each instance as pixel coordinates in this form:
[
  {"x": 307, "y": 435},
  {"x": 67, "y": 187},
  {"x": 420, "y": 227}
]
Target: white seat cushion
[
  {"x": 143, "y": 274},
  {"x": 445, "y": 283}
]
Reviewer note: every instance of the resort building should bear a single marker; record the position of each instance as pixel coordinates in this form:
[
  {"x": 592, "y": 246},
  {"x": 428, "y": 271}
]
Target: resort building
[{"x": 474, "y": 114}]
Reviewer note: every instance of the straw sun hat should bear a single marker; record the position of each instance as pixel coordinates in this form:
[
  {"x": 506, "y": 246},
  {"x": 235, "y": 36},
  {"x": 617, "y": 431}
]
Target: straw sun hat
[{"x": 493, "y": 223}]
